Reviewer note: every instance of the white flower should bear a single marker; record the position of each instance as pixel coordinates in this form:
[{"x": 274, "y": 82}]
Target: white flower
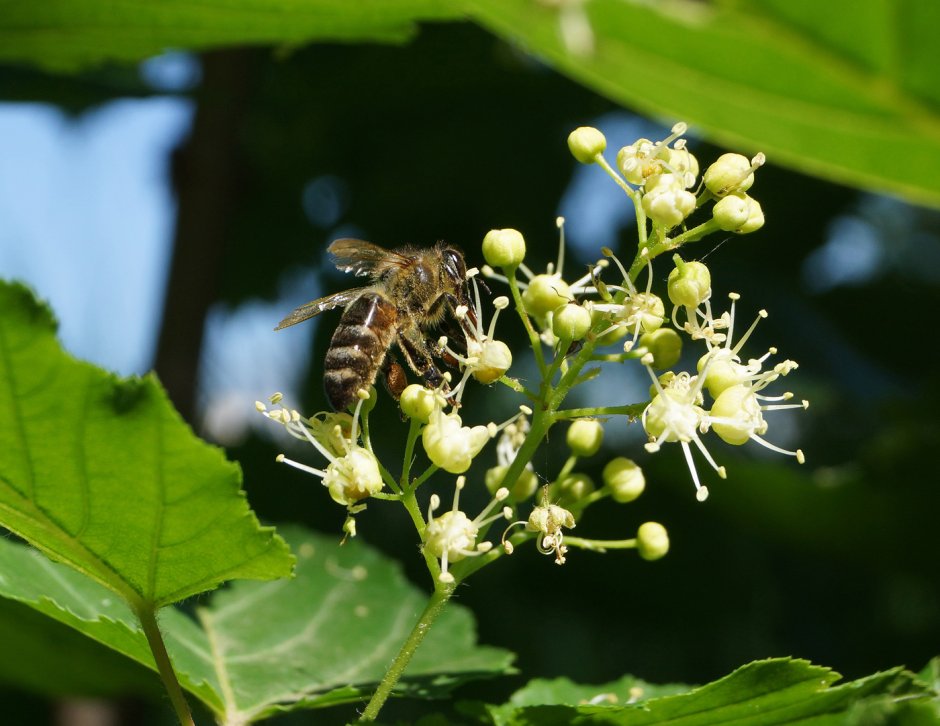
[
  {"x": 666, "y": 200},
  {"x": 675, "y": 415},
  {"x": 635, "y": 312},
  {"x": 453, "y": 536},
  {"x": 353, "y": 472},
  {"x": 451, "y": 445},
  {"x": 487, "y": 359}
]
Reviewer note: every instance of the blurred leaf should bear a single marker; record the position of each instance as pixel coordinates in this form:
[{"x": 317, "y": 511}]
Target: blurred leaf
[
  {"x": 56, "y": 660},
  {"x": 67, "y": 35},
  {"x": 765, "y": 692},
  {"x": 626, "y": 690},
  {"x": 320, "y": 639},
  {"x": 102, "y": 474},
  {"x": 845, "y": 92}
]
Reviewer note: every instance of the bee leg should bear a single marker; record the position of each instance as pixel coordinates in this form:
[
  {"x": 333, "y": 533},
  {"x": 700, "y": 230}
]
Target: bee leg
[{"x": 420, "y": 361}]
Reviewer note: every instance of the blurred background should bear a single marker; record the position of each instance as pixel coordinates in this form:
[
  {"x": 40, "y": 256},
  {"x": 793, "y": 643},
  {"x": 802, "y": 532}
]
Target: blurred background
[{"x": 173, "y": 212}]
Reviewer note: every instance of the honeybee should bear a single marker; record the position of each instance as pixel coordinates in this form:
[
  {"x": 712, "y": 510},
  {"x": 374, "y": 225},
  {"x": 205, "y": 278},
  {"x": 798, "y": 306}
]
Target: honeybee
[{"x": 412, "y": 291}]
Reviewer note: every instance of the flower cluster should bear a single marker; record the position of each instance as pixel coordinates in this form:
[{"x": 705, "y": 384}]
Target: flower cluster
[{"x": 569, "y": 323}]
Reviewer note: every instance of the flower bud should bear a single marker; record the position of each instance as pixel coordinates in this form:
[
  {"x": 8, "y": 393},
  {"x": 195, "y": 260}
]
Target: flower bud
[
  {"x": 585, "y": 436},
  {"x": 730, "y": 173},
  {"x": 524, "y": 487},
  {"x": 503, "y": 247},
  {"x": 666, "y": 200},
  {"x": 722, "y": 373},
  {"x": 738, "y": 213},
  {"x": 571, "y": 489},
  {"x": 418, "y": 402},
  {"x": 689, "y": 284},
  {"x": 618, "y": 331},
  {"x": 624, "y": 479},
  {"x": 755, "y": 219},
  {"x": 545, "y": 293},
  {"x": 493, "y": 361},
  {"x": 652, "y": 541},
  {"x": 664, "y": 345},
  {"x": 740, "y": 414},
  {"x": 731, "y": 212},
  {"x": 571, "y": 322},
  {"x": 586, "y": 143},
  {"x": 451, "y": 445}
]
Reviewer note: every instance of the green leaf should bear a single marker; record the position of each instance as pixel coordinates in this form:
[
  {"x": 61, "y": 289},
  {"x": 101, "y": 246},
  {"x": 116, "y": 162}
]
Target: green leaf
[
  {"x": 777, "y": 691},
  {"x": 71, "y": 34},
  {"x": 565, "y": 691},
  {"x": 102, "y": 474},
  {"x": 319, "y": 639},
  {"x": 848, "y": 94}
]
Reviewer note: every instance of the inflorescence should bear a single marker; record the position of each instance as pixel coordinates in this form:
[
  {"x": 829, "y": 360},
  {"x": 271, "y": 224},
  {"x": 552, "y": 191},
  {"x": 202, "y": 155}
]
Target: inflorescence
[{"x": 570, "y": 323}]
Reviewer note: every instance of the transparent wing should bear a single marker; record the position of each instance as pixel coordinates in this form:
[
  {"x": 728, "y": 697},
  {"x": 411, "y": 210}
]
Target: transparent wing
[
  {"x": 364, "y": 258},
  {"x": 315, "y": 307}
]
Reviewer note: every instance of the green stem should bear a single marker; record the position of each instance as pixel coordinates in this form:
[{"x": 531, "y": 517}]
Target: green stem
[
  {"x": 629, "y": 409},
  {"x": 601, "y": 545},
  {"x": 414, "y": 428},
  {"x": 534, "y": 341},
  {"x": 395, "y": 671},
  {"x": 147, "y": 616}
]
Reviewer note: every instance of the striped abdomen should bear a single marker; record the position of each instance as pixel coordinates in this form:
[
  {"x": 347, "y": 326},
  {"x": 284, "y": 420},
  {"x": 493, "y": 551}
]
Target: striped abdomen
[{"x": 360, "y": 342}]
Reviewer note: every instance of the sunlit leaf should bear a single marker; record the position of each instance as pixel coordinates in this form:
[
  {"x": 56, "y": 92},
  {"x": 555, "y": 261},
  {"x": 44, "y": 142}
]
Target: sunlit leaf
[
  {"x": 102, "y": 474},
  {"x": 70, "y": 34},
  {"x": 818, "y": 86},
  {"x": 778, "y": 691},
  {"x": 322, "y": 638}
]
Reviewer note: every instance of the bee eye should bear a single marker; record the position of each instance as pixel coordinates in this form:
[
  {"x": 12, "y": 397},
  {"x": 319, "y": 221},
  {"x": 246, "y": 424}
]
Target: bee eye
[{"x": 454, "y": 264}]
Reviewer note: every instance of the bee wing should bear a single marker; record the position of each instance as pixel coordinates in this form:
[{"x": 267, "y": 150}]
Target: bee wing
[
  {"x": 364, "y": 258},
  {"x": 315, "y": 307}
]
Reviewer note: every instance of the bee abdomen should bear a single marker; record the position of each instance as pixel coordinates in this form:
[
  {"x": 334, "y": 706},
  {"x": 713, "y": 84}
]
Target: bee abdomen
[{"x": 358, "y": 348}]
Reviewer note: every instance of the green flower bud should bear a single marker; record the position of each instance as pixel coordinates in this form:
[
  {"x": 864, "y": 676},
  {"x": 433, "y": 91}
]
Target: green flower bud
[
  {"x": 689, "y": 284},
  {"x": 652, "y": 541},
  {"x": 451, "y": 445},
  {"x": 731, "y": 212},
  {"x": 730, "y": 173},
  {"x": 545, "y": 293},
  {"x": 571, "y": 322},
  {"x": 755, "y": 219},
  {"x": 493, "y": 361},
  {"x": 665, "y": 345},
  {"x": 738, "y": 213},
  {"x": 417, "y": 402},
  {"x": 585, "y": 436},
  {"x": 524, "y": 487},
  {"x": 740, "y": 409},
  {"x": 503, "y": 247},
  {"x": 624, "y": 479},
  {"x": 586, "y": 143},
  {"x": 722, "y": 373},
  {"x": 571, "y": 489},
  {"x": 613, "y": 335}
]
